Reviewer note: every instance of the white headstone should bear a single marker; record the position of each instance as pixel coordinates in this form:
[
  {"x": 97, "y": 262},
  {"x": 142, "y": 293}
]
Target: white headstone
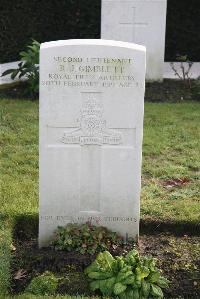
[
  {"x": 91, "y": 124},
  {"x": 142, "y": 22}
]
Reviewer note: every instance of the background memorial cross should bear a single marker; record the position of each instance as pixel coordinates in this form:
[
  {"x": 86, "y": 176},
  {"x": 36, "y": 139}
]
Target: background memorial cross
[{"x": 134, "y": 23}]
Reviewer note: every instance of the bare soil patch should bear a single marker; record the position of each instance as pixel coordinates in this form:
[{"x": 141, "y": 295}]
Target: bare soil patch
[{"x": 177, "y": 257}]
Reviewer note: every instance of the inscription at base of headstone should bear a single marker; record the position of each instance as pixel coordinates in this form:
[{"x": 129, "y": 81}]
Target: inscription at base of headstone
[
  {"x": 139, "y": 21},
  {"x": 91, "y": 124}
]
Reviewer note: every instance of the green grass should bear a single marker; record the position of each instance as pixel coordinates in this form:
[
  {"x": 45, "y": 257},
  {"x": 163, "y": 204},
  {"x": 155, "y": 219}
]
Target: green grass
[
  {"x": 19, "y": 173},
  {"x": 170, "y": 150}
]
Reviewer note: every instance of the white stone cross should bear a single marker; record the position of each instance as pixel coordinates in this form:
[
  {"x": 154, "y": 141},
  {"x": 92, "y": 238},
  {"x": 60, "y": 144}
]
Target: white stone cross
[{"x": 133, "y": 24}]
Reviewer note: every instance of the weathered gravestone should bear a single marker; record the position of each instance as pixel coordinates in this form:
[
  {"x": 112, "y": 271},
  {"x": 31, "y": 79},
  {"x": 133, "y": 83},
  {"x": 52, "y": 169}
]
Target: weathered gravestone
[
  {"x": 138, "y": 21},
  {"x": 91, "y": 124}
]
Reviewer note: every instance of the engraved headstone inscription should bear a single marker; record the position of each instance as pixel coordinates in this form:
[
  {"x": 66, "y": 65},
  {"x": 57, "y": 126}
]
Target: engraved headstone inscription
[
  {"x": 91, "y": 124},
  {"x": 139, "y": 21}
]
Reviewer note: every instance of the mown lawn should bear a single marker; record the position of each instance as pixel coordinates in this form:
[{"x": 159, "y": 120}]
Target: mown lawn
[{"x": 170, "y": 151}]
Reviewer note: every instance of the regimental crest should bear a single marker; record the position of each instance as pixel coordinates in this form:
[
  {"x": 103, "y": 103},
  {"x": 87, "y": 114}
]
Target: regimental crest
[{"x": 92, "y": 127}]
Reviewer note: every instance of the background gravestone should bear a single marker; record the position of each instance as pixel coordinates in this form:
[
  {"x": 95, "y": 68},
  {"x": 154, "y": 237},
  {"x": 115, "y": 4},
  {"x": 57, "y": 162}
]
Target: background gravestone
[
  {"x": 142, "y": 22},
  {"x": 91, "y": 124}
]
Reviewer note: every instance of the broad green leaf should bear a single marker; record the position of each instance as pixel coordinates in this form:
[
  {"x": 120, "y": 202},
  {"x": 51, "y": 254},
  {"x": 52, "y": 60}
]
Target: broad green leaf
[
  {"x": 94, "y": 285},
  {"x": 129, "y": 294},
  {"x": 130, "y": 280},
  {"x": 138, "y": 282},
  {"x": 7, "y": 72},
  {"x": 106, "y": 260},
  {"x": 134, "y": 253},
  {"x": 123, "y": 275},
  {"x": 100, "y": 275},
  {"x": 163, "y": 282},
  {"x": 119, "y": 288},
  {"x": 132, "y": 261},
  {"x": 153, "y": 277},
  {"x": 109, "y": 258},
  {"x": 110, "y": 283},
  {"x": 136, "y": 294},
  {"x": 152, "y": 264},
  {"x": 120, "y": 262},
  {"x": 94, "y": 267},
  {"x": 103, "y": 287},
  {"x": 132, "y": 257},
  {"x": 23, "y": 54},
  {"x": 142, "y": 272},
  {"x": 14, "y": 74},
  {"x": 122, "y": 296},
  {"x": 156, "y": 291},
  {"x": 21, "y": 74},
  {"x": 145, "y": 288}
]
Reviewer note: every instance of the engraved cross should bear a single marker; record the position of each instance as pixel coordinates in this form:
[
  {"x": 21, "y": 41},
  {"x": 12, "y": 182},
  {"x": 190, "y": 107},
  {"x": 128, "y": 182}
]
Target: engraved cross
[
  {"x": 134, "y": 24},
  {"x": 91, "y": 135}
]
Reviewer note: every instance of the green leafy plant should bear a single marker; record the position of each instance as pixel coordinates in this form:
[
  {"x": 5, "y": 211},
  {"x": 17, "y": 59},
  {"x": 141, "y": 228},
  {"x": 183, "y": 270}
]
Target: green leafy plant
[
  {"x": 131, "y": 276},
  {"x": 45, "y": 284},
  {"x": 85, "y": 238},
  {"x": 28, "y": 67}
]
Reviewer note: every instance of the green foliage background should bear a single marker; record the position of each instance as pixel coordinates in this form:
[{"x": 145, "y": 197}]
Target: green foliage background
[{"x": 21, "y": 20}]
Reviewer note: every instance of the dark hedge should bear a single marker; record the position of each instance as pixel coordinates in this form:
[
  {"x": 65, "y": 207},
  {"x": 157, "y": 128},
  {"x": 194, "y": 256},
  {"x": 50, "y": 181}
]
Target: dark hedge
[
  {"x": 45, "y": 20},
  {"x": 183, "y": 29}
]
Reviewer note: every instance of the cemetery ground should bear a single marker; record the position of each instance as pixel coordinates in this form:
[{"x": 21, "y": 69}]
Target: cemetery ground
[{"x": 169, "y": 200}]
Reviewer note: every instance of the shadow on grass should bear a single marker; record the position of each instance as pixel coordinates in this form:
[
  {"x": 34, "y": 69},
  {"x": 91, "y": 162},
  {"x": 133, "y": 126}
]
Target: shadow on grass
[
  {"x": 25, "y": 227},
  {"x": 17, "y": 90},
  {"x": 155, "y": 226}
]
